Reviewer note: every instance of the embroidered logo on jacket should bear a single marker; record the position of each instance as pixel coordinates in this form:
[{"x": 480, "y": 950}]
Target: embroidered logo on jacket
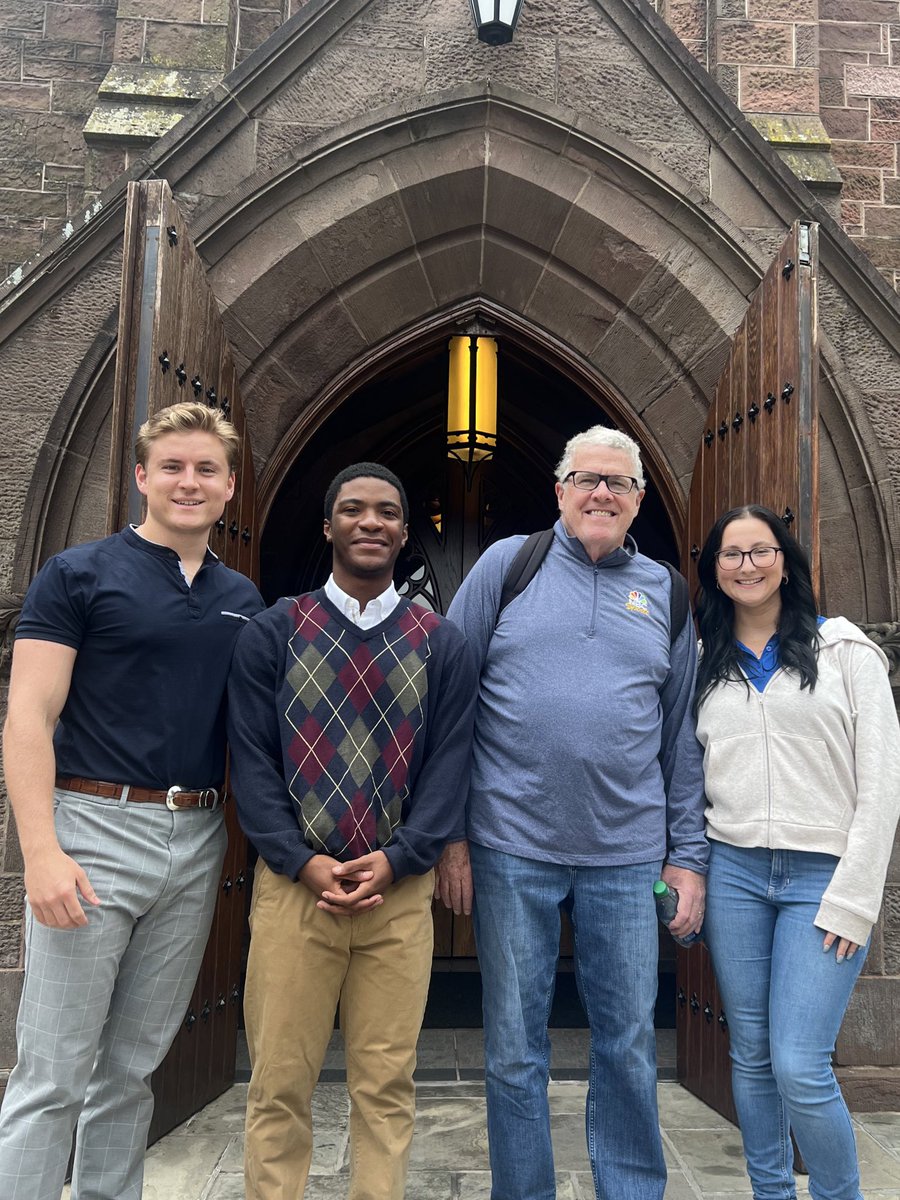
[{"x": 637, "y": 602}]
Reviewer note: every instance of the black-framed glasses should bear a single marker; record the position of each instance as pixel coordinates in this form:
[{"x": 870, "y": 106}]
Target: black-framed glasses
[
  {"x": 586, "y": 481},
  {"x": 760, "y": 556}
]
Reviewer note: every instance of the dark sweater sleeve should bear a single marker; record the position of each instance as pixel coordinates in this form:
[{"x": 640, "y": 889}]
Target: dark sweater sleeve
[
  {"x": 681, "y": 759},
  {"x": 266, "y": 811},
  {"x": 437, "y": 805}
]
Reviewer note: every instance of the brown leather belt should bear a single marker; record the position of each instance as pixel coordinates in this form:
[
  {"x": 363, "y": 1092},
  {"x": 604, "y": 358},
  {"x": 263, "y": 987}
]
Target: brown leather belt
[{"x": 176, "y": 797}]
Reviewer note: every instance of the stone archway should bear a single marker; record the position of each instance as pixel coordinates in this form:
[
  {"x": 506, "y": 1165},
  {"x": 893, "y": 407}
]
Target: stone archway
[
  {"x": 479, "y": 195},
  {"x": 398, "y": 416}
]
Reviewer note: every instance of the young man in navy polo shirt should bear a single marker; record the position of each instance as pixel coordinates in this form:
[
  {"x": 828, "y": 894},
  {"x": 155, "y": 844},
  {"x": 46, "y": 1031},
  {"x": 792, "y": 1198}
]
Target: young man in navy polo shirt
[{"x": 114, "y": 752}]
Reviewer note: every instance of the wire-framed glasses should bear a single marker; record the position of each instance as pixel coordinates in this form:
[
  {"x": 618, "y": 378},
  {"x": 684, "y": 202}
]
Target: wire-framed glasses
[
  {"x": 760, "y": 556},
  {"x": 586, "y": 481}
]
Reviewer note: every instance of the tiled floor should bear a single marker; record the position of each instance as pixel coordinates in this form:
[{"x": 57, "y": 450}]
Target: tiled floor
[{"x": 202, "y": 1159}]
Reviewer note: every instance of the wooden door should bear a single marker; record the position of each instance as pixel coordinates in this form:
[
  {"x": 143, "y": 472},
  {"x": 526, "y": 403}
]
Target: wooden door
[
  {"x": 171, "y": 348},
  {"x": 760, "y": 446}
]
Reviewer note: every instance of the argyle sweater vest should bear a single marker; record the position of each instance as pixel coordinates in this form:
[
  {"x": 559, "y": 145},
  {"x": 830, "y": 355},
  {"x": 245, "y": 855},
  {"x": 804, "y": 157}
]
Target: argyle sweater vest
[{"x": 356, "y": 705}]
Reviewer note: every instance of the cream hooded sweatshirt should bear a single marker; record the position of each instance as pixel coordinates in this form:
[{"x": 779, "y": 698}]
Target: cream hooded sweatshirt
[{"x": 799, "y": 770}]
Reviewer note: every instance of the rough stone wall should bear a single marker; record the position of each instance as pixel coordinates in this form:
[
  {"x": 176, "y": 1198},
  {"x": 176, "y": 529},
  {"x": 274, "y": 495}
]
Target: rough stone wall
[
  {"x": 859, "y": 86},
  {"x": 762, "y": 53},
  {"x": 781, "y": 61},
  {"x": 688, "y": 19},
  {"x": 566, "y": 53},
  {"x": 53, "y": 57},
  {"x": 258, "y": 20},
  {"x": 55, "y": 73}
]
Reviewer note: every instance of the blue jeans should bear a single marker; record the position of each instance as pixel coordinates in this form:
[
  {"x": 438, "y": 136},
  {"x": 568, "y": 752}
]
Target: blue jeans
[
  {"x": 517, "y": 923},
  {"x": 785, "y": 1000}
]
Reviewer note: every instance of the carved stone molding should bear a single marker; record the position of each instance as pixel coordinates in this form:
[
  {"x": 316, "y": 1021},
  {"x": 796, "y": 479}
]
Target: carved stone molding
[{"x": 886, "y": 635}]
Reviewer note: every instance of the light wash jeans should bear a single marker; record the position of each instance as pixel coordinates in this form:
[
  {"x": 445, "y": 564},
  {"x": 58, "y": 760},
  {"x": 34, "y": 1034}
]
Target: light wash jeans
[
  {"x": 517, "y": 922},
  {"x": 784, "y": 999}
]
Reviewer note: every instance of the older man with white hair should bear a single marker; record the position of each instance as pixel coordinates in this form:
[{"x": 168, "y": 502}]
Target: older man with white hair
[{"x": 586, "y": 788}]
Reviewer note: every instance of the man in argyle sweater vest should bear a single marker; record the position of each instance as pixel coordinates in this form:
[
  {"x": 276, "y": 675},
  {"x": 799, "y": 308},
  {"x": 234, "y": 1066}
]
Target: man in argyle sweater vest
[{"x": 350, "y": 727}]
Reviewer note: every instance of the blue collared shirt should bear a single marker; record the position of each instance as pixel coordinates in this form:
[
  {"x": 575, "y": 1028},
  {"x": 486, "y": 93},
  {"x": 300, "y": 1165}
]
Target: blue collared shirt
[{"x": 760, "y": 670}]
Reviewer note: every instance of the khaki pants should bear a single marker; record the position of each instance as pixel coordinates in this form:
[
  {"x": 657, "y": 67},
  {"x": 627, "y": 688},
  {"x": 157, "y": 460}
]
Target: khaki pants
[{"x": 302, "y": 964}]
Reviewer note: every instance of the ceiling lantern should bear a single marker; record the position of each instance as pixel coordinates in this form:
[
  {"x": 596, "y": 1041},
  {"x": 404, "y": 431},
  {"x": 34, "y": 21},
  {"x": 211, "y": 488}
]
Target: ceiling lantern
[{"x": 472, "y": 399}]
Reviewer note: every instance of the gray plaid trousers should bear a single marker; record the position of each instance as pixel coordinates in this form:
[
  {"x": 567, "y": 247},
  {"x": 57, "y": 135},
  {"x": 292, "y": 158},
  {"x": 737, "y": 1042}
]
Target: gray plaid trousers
[{"x": 101, "y": 1004}]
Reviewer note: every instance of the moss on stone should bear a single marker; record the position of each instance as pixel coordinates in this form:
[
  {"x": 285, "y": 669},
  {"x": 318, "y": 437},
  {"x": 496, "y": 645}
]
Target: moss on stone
[
  {"x": 131, "y": 122},
  {"x": 814, "y": 167},
  {"x": 159, "y": 83},
  {"x": 791, "y": 130}
]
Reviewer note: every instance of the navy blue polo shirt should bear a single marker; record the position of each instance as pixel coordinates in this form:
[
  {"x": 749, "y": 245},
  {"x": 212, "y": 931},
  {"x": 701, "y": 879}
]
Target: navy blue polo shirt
[{"x": 147, "y": 701}]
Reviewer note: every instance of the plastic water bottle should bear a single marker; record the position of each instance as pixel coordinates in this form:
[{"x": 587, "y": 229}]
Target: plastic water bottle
[{"x": 666, "y": 907}]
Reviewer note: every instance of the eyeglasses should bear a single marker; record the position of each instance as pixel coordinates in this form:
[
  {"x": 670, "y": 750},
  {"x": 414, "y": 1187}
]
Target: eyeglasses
[
  {"x": 760, "y": 556},
  {"x": 586, "y": 481}
]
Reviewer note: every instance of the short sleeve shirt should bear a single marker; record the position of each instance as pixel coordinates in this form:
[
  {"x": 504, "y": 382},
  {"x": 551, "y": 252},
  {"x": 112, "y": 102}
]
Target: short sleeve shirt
[{"x": 146, "y": 705}]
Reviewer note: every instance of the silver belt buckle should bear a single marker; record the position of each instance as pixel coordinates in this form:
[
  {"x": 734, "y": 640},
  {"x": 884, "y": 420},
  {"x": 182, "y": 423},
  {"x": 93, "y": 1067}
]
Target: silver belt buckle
[
  {"x": 207, "y": 798},
  {"x": 170, "y": 797}
]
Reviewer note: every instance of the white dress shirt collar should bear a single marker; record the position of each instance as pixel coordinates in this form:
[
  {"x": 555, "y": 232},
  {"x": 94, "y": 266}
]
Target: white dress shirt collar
[{"x": 374, "y": 613}]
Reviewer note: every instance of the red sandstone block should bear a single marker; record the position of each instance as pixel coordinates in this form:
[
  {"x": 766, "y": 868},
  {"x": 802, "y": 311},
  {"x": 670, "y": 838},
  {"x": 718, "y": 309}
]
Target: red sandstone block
[
  {"x": 11, "y": 58},
  {"x": 833, "y": 62},
  {"x": 872, "y": 80},
  {"x": 884, "y": 131},
  {"x": 852, "y": 123},
  {"x": 162, "y": 10},
  {"x": 851, "y": 213},
  {"x": 129, "y": 43},
  {"x": 21, "y": 173},
  {"x": 883, "y": 222},
  {"x": 698, "y": 49},
  {"x": 23, "y": 16},
  {"x": 782, "y": 10},
  {"x": 857, "y": 10},
  {"x": 172, "y": 44},
  {"x": 728, "y": 79},
  {"x": 20, "y": 203},
  {"x": 861, "y": 184},
  {"x": 885, "y": 108},
  {"x": 686, "y": 18},
  {"x": 864, "y": 154},
  {"x": 35, "y": 97},
  {"x": 806, "y": 42},
  {"x": 78, "y": 22},
  {"x": 884, "y": 252},
  {"x": 837, "y": 35},
  {"x": 764, "y": 90},
  {"x": 892, "y": 191},
  {"x": 831, "y": 92},
  {"x": 257, "y": 25},
  {"x": 757, "y": 42}
]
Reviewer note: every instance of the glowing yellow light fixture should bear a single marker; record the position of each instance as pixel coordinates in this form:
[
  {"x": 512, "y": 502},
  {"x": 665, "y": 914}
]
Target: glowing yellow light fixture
[{"x": 472, "y": 399}]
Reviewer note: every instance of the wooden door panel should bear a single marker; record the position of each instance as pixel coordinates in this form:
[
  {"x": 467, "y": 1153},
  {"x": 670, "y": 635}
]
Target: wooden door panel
[
  {"x": 172, "y": 347},
  {"x": 759, "y": 446}
]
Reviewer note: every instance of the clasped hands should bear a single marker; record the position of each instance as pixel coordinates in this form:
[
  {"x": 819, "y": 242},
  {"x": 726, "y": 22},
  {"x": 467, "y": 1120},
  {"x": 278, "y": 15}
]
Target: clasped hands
[{"x": 350, "y": 888}]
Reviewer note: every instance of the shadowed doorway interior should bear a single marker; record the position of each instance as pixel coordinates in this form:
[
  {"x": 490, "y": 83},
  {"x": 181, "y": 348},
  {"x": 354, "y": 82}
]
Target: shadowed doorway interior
[{"x": 400, "y": 419}]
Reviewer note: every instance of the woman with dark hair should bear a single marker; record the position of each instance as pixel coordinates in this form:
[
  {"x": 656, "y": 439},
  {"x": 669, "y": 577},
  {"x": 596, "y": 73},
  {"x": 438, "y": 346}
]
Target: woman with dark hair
[{"x": 802, "y": 764}]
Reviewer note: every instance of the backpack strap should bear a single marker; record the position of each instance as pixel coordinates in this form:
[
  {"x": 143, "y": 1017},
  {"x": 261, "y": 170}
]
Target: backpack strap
[
  {"x": 679, "y": 600},
  {"x": 525, "y": 566},
  {"x": 532, "y": 553}
]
